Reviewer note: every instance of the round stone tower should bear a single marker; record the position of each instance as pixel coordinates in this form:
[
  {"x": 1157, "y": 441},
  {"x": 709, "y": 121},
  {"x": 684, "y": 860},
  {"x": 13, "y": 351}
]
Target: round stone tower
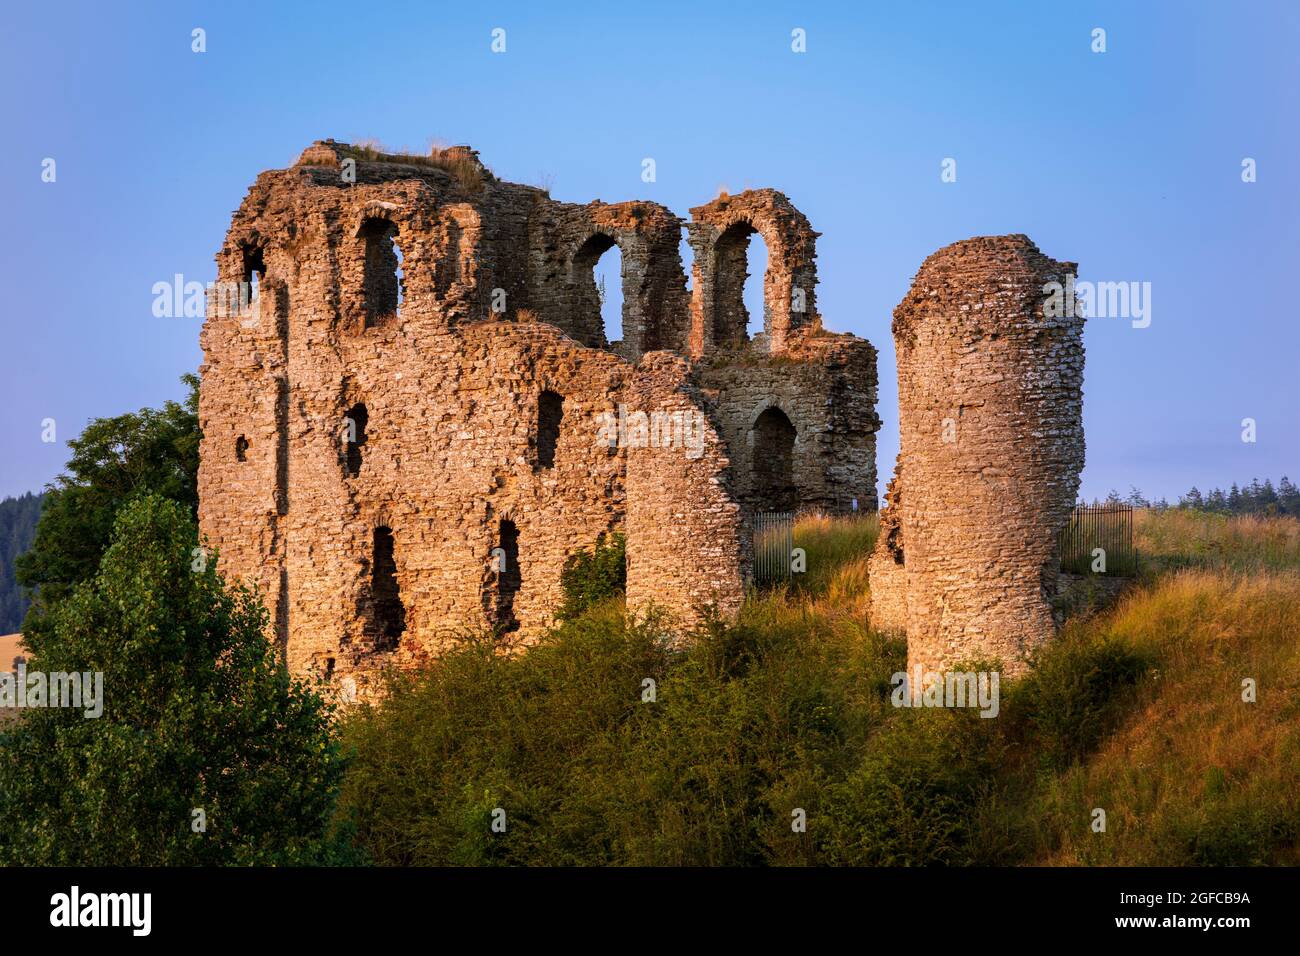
[{"x": 990, "y": 391}]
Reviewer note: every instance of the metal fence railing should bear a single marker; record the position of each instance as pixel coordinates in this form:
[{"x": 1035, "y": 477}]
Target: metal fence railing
[
  {"x": 773, "y": 544},
  {"x": 1098, "y": 539}
]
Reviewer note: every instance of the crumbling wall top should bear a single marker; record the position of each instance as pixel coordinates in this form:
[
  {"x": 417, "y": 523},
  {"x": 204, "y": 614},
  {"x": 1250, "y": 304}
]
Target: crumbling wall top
[{"x": 964, "y": 280}]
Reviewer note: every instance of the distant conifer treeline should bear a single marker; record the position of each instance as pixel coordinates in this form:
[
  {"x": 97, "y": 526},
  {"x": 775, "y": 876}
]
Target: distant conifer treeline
[
  {"x": 18, "y": 517},
  {"x": 1255, "y": 498}
]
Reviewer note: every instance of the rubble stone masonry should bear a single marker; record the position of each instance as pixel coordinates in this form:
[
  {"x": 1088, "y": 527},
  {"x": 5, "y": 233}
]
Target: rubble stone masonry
[
  {"x": 402, "y": 433},
  {"x": 990, "y": 419}
]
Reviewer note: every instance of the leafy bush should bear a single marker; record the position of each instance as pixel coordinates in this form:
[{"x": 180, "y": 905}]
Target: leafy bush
[
  {"x": 912, "y": 801},
  {"x": 594, "y": 764},
  {"x": 197, "y": 714},
  {"x": 1073, "y": 694},
  {"x": 592, "y": 576}
]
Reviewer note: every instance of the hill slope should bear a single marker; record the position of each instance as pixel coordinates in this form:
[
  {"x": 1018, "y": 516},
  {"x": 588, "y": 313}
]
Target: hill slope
[{"x": 773, "y": 741}]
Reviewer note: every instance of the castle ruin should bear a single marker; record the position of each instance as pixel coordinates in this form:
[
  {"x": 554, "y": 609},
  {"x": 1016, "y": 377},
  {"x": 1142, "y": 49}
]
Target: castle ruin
[{"x": 418, "y": 418}]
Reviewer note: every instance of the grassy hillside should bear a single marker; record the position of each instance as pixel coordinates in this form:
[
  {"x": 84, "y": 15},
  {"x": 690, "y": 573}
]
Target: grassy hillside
[{"x": 785, "y": 716}]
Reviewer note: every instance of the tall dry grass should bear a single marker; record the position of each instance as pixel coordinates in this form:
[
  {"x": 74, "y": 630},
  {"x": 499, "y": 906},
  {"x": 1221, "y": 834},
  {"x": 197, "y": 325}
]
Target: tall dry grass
[
  {"x": 1177, "y": 538},
  {"x": 1193, "y": 774}
]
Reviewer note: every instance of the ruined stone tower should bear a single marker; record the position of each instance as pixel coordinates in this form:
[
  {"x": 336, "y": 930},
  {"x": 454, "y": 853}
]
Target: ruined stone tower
[
  {"x": 991, "y": 446},
  {"x": 418, "y": 418}
]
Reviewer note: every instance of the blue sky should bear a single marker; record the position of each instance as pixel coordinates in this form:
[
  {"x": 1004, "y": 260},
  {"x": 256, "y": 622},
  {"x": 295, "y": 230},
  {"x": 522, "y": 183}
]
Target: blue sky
[{"x": 1127, "y": 161}]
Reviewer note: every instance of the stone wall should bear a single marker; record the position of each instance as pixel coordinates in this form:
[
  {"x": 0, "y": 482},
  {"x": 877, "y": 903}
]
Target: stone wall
[
  {"x": 886, "y": 568},
  {"x": 418, "y": 392},
  {"x": 991, "y": 437},
  {"x": 826, "y": 387},
  {"x": 687, "y": 550},
  {"x": 568, "y": 241},
  {"x": 719, "y": 234}
]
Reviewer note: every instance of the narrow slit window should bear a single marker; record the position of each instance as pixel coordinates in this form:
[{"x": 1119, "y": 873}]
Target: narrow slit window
[
  {"x": 354, "y": 427},
  {"x": 509, "y": 578},
  {"x": 550, "y": 413},
  {"x": 382, "y": 272},
  {"x": 254, "y": 273},
  {"x": 385, "y": 596}
]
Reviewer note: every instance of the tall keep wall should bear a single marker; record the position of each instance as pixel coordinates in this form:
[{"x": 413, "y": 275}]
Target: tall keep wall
[{"x": 990, "y": 416}]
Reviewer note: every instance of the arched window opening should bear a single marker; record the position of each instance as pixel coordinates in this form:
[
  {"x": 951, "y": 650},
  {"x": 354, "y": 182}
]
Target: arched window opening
[
  {"x": 598, "y": 281},
  {"x": 738, "y": 278},
  {"x": 773, "y": 474},
  {"x": 389, "y": 614},
  {"x": 354, "y": 433},
  {"x": 509, "y": 577},
  {"x": 550, "y": 412},
  {"x": 382, "y": 273},
  {"x": 241, "y": 448}
]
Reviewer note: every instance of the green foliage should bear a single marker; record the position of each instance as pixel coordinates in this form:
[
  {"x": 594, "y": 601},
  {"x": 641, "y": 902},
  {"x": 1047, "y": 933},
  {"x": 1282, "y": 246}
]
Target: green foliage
[
  {"x": 787, "y": 713},
  {"x": 594, "y": 765},
  {"x": 592, "y": 576},
  {"x": 152, "y": 451},
  {"x": 1234, "y": 833},
  {"x": 18, "y": 517},
  {"x": 197, "y": 713},
  {"x": 1251, "y": 499},
  {"x": 913, "y": 799},
  {"x": 1074, "y": 694}
]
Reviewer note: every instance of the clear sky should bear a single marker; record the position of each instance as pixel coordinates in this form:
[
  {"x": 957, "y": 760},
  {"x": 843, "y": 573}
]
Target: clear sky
[{"x": 1128, "y": 162}]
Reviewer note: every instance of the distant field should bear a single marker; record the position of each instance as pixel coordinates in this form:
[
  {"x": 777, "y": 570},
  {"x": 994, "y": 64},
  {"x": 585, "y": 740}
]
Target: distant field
[{"x": 11, "y": 645}]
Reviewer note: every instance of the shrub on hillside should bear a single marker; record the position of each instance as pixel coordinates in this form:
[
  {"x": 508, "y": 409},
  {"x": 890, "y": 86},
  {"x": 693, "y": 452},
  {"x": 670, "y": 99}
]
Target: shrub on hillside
[
  {"x": 1073, "y": 694},
  {"x": 785, "y": 714},
  {"x": 913, "y": 799},
  {"x": 594, "y": 764}
]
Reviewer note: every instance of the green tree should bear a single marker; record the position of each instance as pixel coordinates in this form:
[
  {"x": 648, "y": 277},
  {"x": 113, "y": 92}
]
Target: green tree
[
  {"x": 1288, "y": 496},
  {"x": 152, "y": 451},
  {"x": 198, "y": 715}
]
